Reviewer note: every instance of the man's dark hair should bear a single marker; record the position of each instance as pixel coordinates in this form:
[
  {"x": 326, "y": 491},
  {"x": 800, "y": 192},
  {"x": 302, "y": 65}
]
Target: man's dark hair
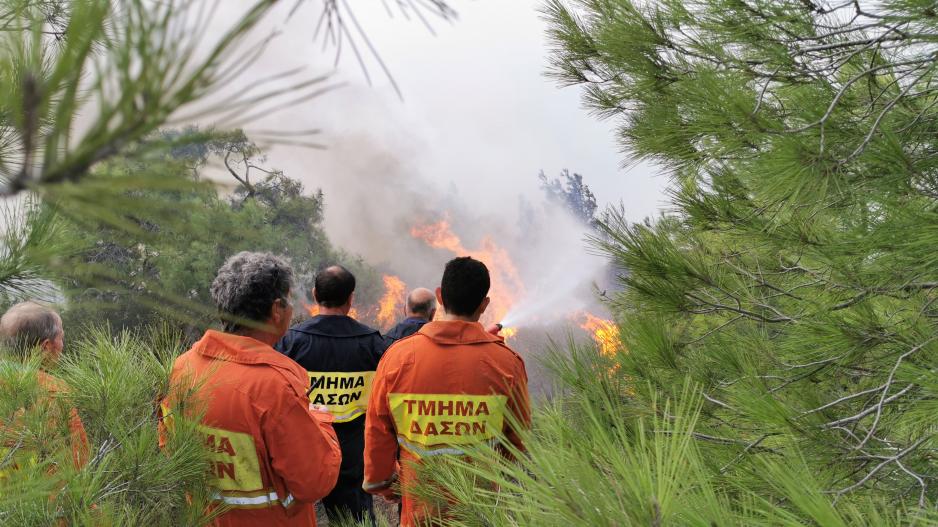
[
  {"x": 334, "y": 285},
  {"x": 248, "y": 285},
  {"x": 464, "y": 286}
]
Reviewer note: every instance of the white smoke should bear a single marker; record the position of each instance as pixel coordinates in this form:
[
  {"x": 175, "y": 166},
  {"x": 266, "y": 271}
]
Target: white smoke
[{"x": 477, "y": 123}]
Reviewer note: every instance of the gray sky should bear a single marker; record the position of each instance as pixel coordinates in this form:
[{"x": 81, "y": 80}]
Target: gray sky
[{"x": 478, "y": 112}]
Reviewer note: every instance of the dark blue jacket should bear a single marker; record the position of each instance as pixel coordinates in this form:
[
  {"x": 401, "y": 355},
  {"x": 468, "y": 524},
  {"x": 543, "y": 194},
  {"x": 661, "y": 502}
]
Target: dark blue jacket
[
  {"x": 406, "y": 327},
  {"x": 341, "y": 356}
]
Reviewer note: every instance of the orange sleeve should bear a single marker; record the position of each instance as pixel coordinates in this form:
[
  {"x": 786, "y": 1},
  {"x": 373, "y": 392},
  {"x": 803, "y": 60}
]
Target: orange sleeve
[
  {"x": 519, "y": 405},
  {"x": 78, "y": 439},
  {"x": 380, "y": 435},
  {"x": 303, "y": 448}
]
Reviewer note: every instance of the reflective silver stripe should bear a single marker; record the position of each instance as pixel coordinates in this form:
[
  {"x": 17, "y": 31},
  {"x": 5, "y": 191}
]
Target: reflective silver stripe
[
  {"x": 349, "y": 416},
  {"x": 288, "y": 501},
  {"x": 452, "y": 451},
  {"x": 269, "y": 498},
  {"x": 368, "y": 486}
]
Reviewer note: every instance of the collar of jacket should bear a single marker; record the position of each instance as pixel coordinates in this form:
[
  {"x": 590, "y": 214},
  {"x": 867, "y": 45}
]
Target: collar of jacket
[
  {"x": 414, "y": 320},
  {"x": 334, "y": 326},
  {"x": 235, "y": 348},
  {"x": 457, "y": 332}
]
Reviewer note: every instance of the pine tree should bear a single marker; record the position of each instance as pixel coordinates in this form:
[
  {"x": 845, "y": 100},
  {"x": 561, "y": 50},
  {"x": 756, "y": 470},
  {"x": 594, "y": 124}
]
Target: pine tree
[
  {"x": 778, "y": 327},
  {"x": 795, "y": 284}
]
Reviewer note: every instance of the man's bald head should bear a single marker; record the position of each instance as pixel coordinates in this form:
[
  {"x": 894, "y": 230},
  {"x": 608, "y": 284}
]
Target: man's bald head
[
  {"x": 28, "y": 325},
  {"x": 334, "y": 286},
  {"x": 421, "y": 302}
]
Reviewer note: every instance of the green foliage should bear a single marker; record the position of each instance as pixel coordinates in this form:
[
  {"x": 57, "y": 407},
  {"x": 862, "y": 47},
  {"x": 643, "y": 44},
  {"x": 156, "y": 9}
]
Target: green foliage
[
  {"x": 126, "y": 67},
  {"x": 115, "y": 382},
  {"x": 29, "y": 242},
  {"x": 159, "y": 262},
  {"x": 599, "y": 456},
  {"x": 794, "y": 285}
]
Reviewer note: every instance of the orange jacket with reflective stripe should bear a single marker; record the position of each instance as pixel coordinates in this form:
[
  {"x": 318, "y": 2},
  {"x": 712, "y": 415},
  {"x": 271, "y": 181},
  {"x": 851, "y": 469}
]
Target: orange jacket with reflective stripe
[
  {"x": 271, "y": 456},
  {"x": 445, "y": 388}
]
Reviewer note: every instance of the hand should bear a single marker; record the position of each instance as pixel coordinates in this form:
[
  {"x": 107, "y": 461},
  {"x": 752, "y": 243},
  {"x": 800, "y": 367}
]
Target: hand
[
  {"x": 391, "y": 497},
  {"x": 493, "y": 329},
  {"x": 321, "y": 413}
]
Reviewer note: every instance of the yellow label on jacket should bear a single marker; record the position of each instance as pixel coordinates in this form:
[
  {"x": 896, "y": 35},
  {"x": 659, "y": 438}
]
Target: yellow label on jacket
[
  {"x": 345, "y": 394},
  {"x": 233, "y": 460},
  {"x": 430, "y": 423}
]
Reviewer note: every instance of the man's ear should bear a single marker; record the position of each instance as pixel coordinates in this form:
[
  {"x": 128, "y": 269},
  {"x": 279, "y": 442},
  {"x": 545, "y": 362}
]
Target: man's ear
[
  {"x": 275, "y": 312},
  {"x": 351, "y": 298},
  {"x": 47, "y": 346},
  {"x": 482, "y": 307},
  {"x": 439, "y": 297},
  {"x": 314, "y": 296}
]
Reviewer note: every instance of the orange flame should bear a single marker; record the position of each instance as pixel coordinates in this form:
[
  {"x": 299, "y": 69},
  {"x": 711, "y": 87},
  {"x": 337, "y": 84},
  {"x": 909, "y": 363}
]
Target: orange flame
[
  {"x": 507, "y": 286},
  {"x": 390, "y": 304},
  {"x": 439, "y": 236},
  {"x": 604, "y": 332}
]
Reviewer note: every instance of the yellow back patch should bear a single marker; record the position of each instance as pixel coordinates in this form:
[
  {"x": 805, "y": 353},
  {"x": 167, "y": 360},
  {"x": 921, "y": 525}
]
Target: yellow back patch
[
  {"x": 344, "y": 393},
  {"x": 430, "y": 421},
  {"x": 233, "y": 460}
]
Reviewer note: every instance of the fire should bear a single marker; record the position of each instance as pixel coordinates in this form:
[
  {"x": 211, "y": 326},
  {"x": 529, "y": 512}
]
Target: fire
[
  {"x": 508, "y": 332},
  {"x": 604, "y": 332},
  {"x": 390, "y": 304},
  {"x": 439, "y": 236},
  {"x": 507, "y": 286},
  {"x": 312, "y": 309}
]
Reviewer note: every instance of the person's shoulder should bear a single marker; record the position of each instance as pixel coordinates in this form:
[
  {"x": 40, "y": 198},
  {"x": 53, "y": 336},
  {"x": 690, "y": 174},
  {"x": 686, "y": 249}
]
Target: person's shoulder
[
  {"x": 184, "y": 360},
  {"x": 404, "y": 346},
  {"x": 51, "y": 383},
  {"x": 300, "y": 329},
  {"x": 364, "y": 329},
  {"x": 283, "y": 378},
  {"x": 504, "y": 352},
  {"x": 396, "y": 332}
]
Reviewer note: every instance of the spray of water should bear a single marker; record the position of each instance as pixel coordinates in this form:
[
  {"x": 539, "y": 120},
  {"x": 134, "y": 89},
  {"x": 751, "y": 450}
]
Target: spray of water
[{"x": 546, "y": 305}]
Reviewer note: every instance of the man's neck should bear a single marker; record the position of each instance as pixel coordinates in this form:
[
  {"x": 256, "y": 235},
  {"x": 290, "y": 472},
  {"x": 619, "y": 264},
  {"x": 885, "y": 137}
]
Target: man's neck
[
  {"x": 260, "y": 335},
  {"x": 340, "y": 311},
  {"x": 448, "y": 318}
]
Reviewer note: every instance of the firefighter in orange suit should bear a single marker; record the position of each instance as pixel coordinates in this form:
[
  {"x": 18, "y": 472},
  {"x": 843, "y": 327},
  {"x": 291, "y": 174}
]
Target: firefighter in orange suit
[
  {"x": 30, "y": 326},
  {"x": 271, "y": 454},
  {"x": 450, "y": 386}
]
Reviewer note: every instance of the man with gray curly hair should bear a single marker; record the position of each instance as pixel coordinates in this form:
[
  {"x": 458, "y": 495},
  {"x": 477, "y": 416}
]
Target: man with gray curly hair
[{"x": 271, "y": 454}]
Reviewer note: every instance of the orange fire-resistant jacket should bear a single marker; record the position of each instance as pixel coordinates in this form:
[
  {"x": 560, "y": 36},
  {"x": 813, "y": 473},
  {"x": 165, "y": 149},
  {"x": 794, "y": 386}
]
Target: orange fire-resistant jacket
[
  {"x": 78, "y": 439},
  {"x": 439, "y": 391},
  {"x": 271, "y": 455}
]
